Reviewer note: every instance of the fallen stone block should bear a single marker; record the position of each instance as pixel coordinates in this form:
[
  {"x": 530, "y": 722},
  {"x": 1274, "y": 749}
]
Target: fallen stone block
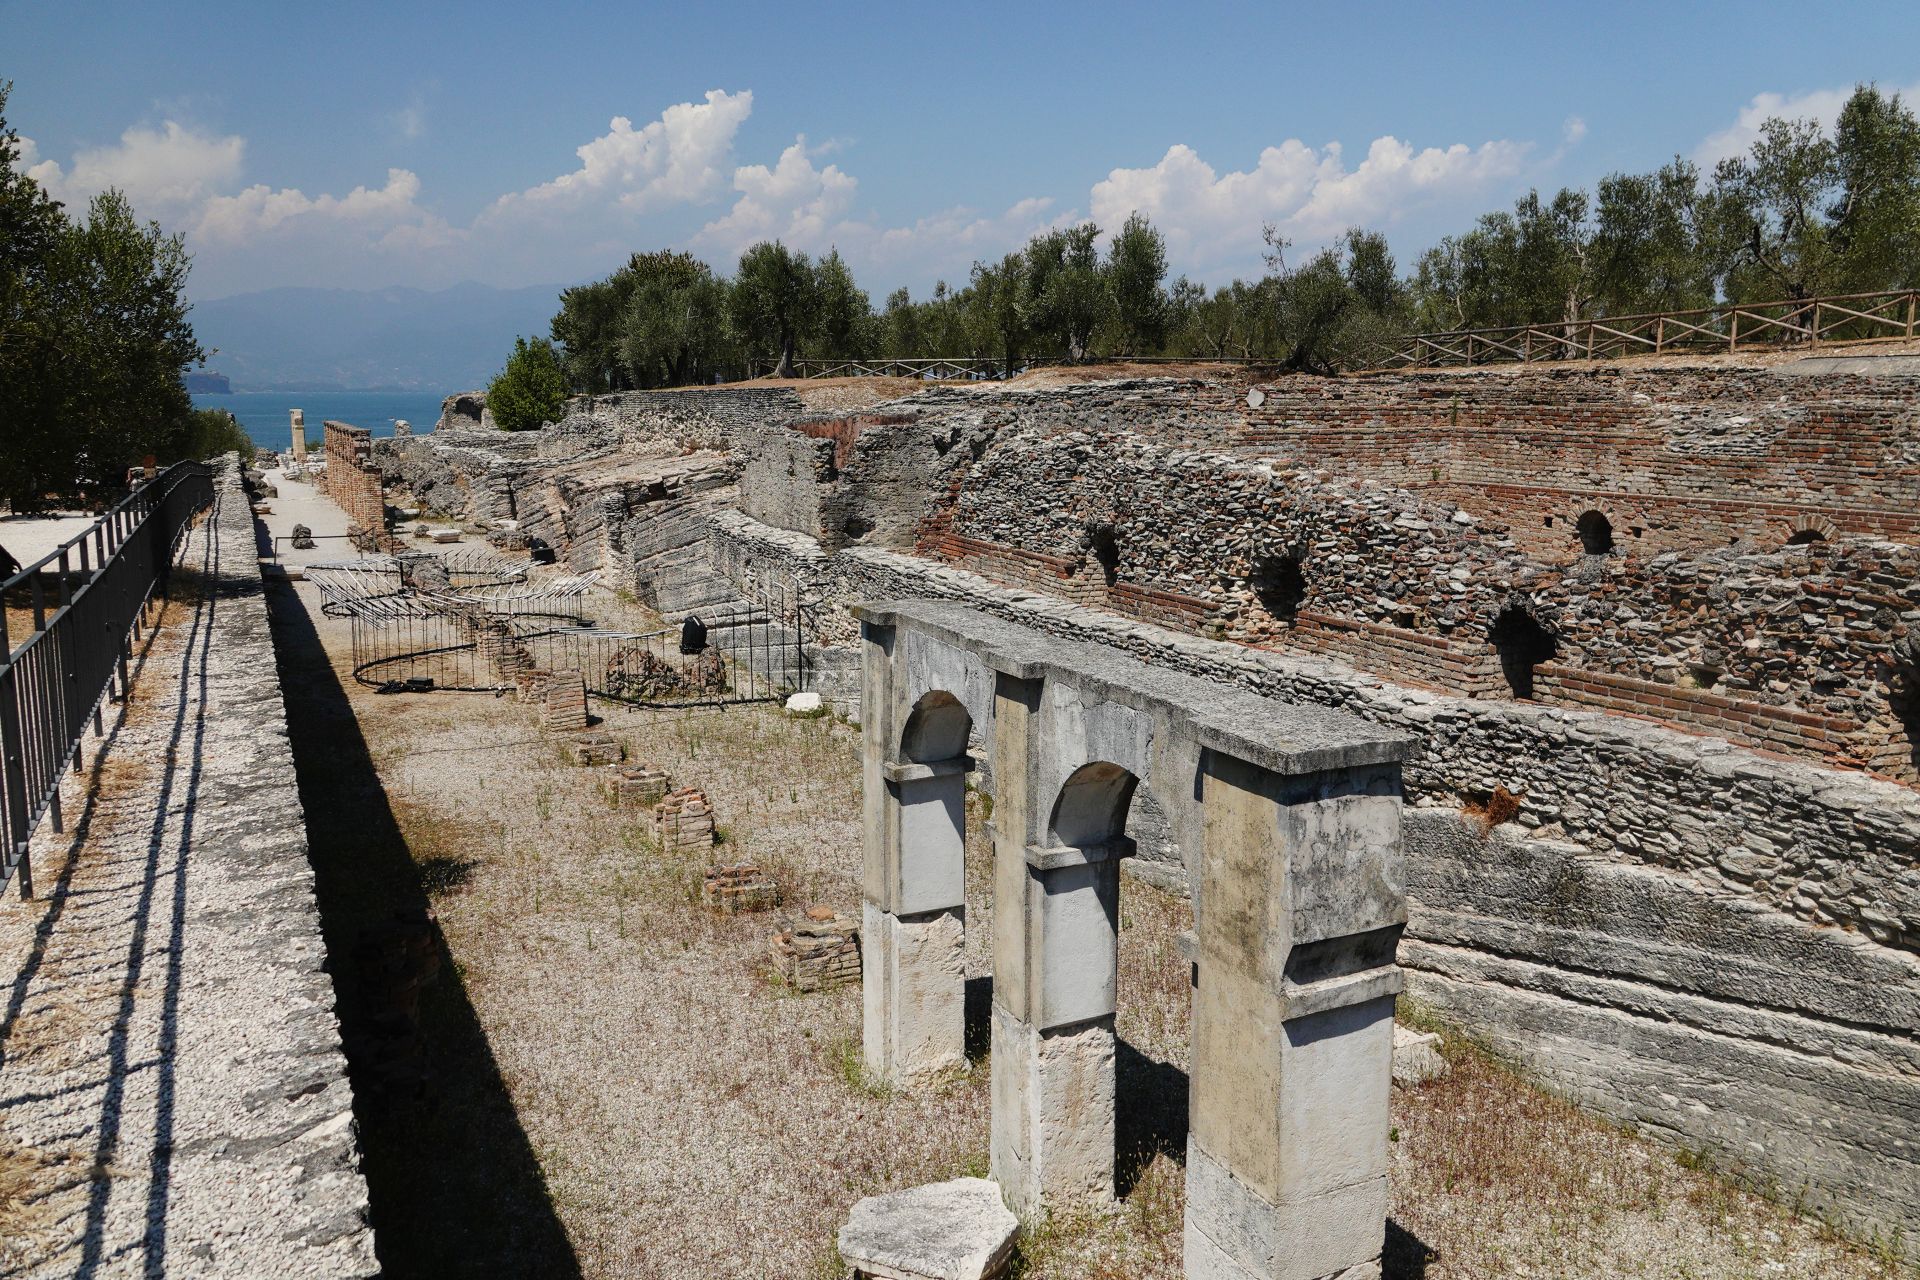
[
  {"x": 804, "y": 704},
  {"x": 819, "y": 951},
  {"x": 1416, "y": 1057},
  {"x": 738, "y": 889},
  {"x": 958, "y": 1230}
]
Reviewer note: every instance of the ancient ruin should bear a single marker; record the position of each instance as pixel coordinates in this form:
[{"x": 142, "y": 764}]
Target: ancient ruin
[
  {"x": 1649, "y": 628},
  {"x": 1299, "y": 905}
]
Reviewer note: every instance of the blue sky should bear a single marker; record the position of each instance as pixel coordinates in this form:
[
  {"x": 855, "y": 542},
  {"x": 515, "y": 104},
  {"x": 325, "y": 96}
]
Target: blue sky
[{"x": 367, "y": 144}]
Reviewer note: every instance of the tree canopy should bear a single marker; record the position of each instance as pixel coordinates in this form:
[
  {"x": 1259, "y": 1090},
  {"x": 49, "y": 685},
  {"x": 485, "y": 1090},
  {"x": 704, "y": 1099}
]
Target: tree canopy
[
  {"x": 93, "y": 340},
  {"x": 1807, "y": 210},
  {"x": 531, "y": 390}
]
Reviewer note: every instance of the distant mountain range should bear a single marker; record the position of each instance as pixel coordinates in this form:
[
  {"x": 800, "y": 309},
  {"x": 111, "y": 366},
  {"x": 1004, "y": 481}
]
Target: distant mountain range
[{"x": 395, "y": 339}]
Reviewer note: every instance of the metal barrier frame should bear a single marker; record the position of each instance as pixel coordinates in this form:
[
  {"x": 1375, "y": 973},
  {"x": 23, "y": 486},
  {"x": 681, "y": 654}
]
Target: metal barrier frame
[{"x": 101, "y": 582}]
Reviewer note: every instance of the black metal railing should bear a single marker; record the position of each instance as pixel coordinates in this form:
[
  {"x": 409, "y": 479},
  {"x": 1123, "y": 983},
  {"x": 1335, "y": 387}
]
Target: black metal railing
[{"x": 80, "y": 604}]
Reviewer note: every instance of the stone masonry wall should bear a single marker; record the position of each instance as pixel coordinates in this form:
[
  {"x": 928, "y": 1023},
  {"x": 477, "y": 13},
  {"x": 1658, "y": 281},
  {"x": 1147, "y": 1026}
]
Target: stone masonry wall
[
  {"x": 1675, "y": 457},
  {"x": 1805, "y": 649},
  {"x": 351, "y": 479}
]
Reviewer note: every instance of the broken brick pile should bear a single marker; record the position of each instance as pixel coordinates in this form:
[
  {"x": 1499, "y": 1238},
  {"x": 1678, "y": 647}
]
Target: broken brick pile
[
  {"x": 639, "y": 784},
  {"x": 819, "y": 951},
  {"x": 684, "y": 820},
  {"x": 565, "y": 706},
  {"x": 738, "y": 889}
]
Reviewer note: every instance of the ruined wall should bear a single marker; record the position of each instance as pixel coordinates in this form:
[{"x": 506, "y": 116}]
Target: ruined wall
[
  {"x": 1718, "y": 945},
  {"x": 1675, "y": 457},
  {"x": 351, "y": 479},
  {"x": 1806, "y": 649}
]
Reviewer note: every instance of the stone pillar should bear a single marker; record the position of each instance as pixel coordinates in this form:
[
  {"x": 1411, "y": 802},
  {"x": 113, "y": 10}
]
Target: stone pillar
[
  {"x": 1055, "y": 963},
  {"x": 1301, "y": 909},
  {"x": 299, "y": 419},
  {"x": 913, "y": 923},
  {"x": 1053, "y": 1041}
]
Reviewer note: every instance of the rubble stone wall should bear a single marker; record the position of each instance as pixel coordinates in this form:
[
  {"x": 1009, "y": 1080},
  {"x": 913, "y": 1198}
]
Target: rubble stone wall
[{"x": 1675, "y": 457}]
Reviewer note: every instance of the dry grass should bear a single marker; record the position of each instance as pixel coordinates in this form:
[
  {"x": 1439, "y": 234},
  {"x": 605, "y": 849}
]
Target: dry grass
[
  {"x": 1493, "y": 1177},
  {"x": 692, "y": 1116}
]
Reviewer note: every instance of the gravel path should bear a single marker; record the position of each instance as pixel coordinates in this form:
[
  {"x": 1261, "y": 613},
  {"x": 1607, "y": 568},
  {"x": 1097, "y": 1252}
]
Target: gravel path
[{"x": 173, "y": 1098}]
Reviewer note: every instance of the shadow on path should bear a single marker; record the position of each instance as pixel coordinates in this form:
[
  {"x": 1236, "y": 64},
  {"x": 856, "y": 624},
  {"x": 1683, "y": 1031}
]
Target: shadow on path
[{"x": 454, "y": 1185}]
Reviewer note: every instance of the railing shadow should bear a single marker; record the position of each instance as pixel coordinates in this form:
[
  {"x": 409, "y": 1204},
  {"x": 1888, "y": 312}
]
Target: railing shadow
[{"x": 454, "y": 1185}]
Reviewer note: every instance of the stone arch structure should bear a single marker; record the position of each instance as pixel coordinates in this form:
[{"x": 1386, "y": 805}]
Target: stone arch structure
[
  {"x": 1805, "y": 528},
  {"x": 1288, "y": 818}
]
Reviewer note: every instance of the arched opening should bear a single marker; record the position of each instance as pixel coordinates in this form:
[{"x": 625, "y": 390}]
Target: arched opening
[
  {"x": 1523, "y": 643},
  {"x": 1091, "y": 808},
  {"x": 1805, "y": 537},
  {"x": 1149, "y": 1099},
  {"x": 1103, "y": 545},
  {"x": 1595, "y": 532},
  {"x": 937, "y": 729},
  {"x": 1279, "y": 585}
]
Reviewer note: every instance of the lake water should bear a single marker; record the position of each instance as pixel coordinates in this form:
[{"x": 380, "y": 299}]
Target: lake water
[{"x": 264, "y": 413}]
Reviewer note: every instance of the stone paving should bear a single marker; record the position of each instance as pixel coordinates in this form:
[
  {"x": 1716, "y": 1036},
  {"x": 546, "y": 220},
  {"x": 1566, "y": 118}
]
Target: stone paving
[{"x": 173, "y": 1098}]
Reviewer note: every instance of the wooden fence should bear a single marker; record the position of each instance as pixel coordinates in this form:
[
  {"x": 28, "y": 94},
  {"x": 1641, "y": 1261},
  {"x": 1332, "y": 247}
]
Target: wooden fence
[{"x": 1809, "y": 322}]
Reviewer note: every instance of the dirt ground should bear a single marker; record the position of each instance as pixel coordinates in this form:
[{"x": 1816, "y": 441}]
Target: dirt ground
[{"x": 614, "y": 1083}]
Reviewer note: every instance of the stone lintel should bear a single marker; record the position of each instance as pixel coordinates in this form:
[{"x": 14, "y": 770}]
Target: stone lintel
[
  {"x": 1304, "y": 999},
  {"x": 920, "y": 771},
  {"x": 1286, "y": 738},
  {"x": 1057, "y": 857}
]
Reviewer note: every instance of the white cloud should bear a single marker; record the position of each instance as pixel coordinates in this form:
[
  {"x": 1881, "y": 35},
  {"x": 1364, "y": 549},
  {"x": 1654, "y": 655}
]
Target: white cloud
[
  {"x": 389, "y": 211},
  {"x": 678, "y": 159},
  {"x": 1814, "y": 104},
  {"x": 410, "y": 121},
  {"x": 1310, "y": 194},
  {"x": 953, "y": 238},
  {"x": 159, "y": 170},
  {"x": 1573, "y": 131},
  {"x": 793, "y": 201}
]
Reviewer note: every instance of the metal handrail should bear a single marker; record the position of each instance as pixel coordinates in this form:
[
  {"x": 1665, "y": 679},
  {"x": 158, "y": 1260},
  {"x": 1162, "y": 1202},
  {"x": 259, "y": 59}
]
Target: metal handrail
[{"x": 86, "y": 596}]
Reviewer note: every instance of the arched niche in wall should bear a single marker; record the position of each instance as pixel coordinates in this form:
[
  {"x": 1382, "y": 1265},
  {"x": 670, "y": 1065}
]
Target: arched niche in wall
[
  {"x": 1805, "y": 530},
  {"x": 1279, "y": 584},
  {"x": 1595, "y": 532},
  {"x": 1102, "y": 545},
  {"x": 1523, "y": 642}
]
